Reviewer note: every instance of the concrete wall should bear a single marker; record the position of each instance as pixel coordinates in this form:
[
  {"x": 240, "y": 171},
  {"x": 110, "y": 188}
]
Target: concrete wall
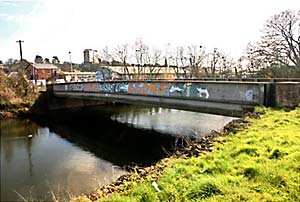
[
  {"x": 218, "y": 97},
  {"x": 287, "y": 94},
  {"x": 250, "y": 93}
]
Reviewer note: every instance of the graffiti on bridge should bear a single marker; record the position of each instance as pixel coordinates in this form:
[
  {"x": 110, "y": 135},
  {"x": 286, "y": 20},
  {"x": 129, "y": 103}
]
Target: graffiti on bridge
[
  {"x": 91, "y": 87},
  {"x": 141, "y": 88},
  {"x": 74, "y": 87},
  {"x": 113, "y": 87},
  {"x": 167, "y": 89}
]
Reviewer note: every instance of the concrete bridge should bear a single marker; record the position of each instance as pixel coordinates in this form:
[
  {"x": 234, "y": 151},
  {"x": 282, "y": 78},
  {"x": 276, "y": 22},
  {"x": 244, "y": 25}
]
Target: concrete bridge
[{"x": 226, "y": 97}]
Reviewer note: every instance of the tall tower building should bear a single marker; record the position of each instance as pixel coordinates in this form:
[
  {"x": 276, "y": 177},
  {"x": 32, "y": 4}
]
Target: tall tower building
[
  {"x": 90, "y": 56},
  {"x": 87, "y": 56},
  {"x": 95, "y": 57}
]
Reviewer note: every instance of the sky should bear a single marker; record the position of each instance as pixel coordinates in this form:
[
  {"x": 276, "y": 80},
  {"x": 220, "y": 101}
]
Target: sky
[{"x": 55, "y": 27}]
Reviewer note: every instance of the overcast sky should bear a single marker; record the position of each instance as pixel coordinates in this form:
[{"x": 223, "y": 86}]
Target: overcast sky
[{"x": 55, "y": 27}]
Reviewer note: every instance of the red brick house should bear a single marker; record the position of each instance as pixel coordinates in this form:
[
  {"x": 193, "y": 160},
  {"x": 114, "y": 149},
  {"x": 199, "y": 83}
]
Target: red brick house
[{"x": 41, "y": 71}]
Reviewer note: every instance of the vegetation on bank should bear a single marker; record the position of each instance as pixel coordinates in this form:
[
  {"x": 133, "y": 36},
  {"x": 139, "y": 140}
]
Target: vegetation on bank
[
  {"x": 17, "y": 95},
  {"x": 257, "y": 163}
]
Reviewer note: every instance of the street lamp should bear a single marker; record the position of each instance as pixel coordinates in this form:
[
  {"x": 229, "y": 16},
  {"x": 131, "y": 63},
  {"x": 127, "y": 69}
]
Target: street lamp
[{"x": 71, "y": 61}]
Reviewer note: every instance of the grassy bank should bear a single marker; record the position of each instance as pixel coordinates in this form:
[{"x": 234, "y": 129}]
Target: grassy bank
[{"x": 259, "y": 163}]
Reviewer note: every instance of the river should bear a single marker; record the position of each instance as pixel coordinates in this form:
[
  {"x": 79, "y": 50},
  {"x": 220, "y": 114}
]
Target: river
[{"x": 75, "y": 152}]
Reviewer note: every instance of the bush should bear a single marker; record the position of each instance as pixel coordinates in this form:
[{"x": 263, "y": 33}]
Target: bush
[{"x": 15, "y": 90}]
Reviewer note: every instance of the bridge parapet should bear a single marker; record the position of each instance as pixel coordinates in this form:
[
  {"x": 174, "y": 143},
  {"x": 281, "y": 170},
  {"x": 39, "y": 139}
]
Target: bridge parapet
[{"x": 251, "y": 93}]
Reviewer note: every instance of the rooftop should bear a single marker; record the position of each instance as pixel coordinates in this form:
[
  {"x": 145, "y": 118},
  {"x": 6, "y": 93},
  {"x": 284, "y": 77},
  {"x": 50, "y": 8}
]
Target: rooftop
[{"x": 45, "y": 66}]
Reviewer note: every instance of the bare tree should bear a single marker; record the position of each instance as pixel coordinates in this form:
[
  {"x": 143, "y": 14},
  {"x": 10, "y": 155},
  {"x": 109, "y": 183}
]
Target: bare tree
[
  {"x": 229, "y": 67},
  {"x": 181, "y": 62},
  {"x": 122, "y": 54},
  {"x": 140, "y": 51},
  {"x": 172, "y": 60},
  {"x": 215, "y": 59},
  {"x": 38, "y": 59},
  {"x": 196, "y": 55},
  {"x": 46, "y": 61},
  {"x": 280, "y": 43},
  {"x": 16, "y": 61},
  {"x": 10, "y": 61},
  {"x": 55, "y": 60},
  {"x": 106, "y": 56},
  {"x": 152, "y": 58}
]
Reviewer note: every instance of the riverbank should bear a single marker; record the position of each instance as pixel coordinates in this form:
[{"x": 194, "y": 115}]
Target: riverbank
[
  {"x": 17, "y": 96},
  {"x": 254, "y": 159}
]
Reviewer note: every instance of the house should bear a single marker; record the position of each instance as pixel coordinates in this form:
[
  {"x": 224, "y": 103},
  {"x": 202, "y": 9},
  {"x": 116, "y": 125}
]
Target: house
[
  {"x": 41, "y": 71},
  {"x": 146, "y": 72},
  {"x": 78, "y": 76}
]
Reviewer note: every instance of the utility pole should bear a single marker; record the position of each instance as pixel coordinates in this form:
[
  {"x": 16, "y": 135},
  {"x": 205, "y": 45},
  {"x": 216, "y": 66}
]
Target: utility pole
[{"x": 20, "y": 44}]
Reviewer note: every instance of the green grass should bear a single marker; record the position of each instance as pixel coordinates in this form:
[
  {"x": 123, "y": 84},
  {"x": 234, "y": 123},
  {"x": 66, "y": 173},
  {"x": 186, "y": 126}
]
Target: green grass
[{"x": 260, "y": 163}]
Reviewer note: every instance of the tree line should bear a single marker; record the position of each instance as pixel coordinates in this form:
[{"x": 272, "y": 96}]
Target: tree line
[{"x": 275, "y": 54}]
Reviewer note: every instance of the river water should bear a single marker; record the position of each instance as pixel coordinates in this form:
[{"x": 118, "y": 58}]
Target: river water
[{"x": 75, "y": 152}]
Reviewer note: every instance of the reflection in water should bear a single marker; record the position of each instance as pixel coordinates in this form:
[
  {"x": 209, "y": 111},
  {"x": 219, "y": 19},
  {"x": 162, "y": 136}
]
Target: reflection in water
[
  {"x": 76, "y": 151},
  {"x": 109, "y": 140},
  {"x": 47, "y": 162},
  {"x": 18, "y": 131},
  {"x": 173, "y": 122}
]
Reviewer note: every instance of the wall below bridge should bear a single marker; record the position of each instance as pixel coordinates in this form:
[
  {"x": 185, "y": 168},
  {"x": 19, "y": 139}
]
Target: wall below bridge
[
  {"x": 220, "y": 97},
  {"x": 287, "y": 94}
]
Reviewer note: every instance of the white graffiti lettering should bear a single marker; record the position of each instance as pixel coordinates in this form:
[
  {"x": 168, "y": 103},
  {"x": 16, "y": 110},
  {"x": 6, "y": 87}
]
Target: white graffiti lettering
[
  {"x": 75, "y": 87},
  {"x": 122, "y": 87},
  {"x": 176, "y": 88}
]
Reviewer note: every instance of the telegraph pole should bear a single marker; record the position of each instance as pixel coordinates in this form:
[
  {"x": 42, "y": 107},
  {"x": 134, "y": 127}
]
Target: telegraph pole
[{"x": 20, "y": 44}]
